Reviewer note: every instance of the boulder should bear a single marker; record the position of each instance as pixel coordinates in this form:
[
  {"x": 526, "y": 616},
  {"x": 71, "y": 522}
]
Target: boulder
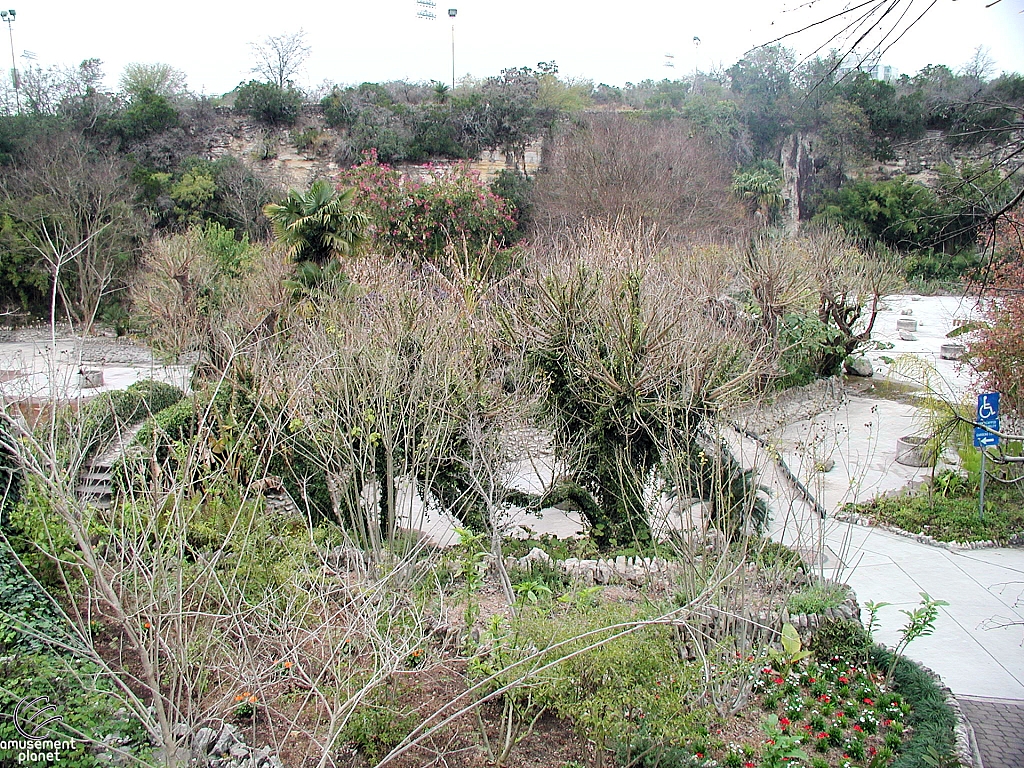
[
  {"x": 859, "y": 366},
  {"x": 203, "y": 741}
]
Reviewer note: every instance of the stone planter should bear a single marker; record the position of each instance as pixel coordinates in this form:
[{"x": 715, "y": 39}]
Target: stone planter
[
  {"x": 952, "y": 351},
  {"x": 912, "y": 451},
  {"x": 906, "y": 324},
  {"x": 90, "y": 378}
]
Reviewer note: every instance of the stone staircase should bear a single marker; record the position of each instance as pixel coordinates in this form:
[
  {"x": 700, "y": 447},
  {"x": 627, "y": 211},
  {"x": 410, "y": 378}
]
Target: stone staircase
[
  {"x": 94, "y": 484},
  {"x": 95, "y": 480}
]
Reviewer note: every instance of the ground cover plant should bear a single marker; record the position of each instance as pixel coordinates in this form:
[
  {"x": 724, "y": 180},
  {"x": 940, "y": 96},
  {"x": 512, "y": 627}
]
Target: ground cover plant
[{"x": 949, "y": 511}]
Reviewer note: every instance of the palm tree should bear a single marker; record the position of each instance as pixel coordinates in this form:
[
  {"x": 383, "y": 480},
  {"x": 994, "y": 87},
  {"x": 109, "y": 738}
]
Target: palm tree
[
  {"x": 761, "y": 188},
  {"x": 320, "y": 225}
]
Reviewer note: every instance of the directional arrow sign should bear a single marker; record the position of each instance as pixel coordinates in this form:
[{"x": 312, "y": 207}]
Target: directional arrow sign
[{"x": 987, "y": 415}]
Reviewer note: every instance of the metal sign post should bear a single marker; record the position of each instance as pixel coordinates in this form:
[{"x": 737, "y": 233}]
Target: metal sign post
[{"x": 987, "y": 418}]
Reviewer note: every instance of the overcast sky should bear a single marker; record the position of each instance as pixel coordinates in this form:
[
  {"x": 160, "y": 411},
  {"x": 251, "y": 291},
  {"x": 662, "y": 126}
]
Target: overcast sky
[{"x": 377, "y": 40}]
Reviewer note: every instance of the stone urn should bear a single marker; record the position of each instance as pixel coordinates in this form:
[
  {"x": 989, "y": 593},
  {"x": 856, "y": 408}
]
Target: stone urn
[
  {"x": 90, "y": 378},
  {"x": 952, "y": 351},
  {"x": 906, "y": 324},
  {"x": 913, "y": 451}
]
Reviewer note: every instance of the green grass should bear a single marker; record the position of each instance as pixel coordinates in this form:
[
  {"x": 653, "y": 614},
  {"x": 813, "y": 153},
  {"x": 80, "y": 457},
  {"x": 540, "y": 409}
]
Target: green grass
[
  {"x": 951, "y": 517},
  {"x": 815, "y": 598}
]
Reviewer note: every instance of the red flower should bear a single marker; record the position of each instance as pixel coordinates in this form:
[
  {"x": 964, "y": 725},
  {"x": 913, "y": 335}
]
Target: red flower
[
  {"x": 840, "y": 714},
  {"x": 868, "y": 701},
  {"x": 858, "y": 728},
  {"x": 844, "y": 679},
  {"x": 824, "y": 698},
  {"x": 784, "y": 722},
  {"x": 778, "y": 681},
  {"x": 811, "y": 680},
  {"x": 822, "y": 735}
]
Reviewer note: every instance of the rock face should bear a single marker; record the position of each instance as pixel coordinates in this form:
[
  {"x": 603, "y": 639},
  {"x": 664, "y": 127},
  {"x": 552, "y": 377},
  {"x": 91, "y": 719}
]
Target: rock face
[
  {"x": 859, "y": 366},
  {"x": 274, "y": 153},
  {"x": 797, "y": 161}
]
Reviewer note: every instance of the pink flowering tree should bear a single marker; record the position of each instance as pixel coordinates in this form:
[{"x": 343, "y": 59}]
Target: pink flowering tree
[{"x": 421, "y": 219}]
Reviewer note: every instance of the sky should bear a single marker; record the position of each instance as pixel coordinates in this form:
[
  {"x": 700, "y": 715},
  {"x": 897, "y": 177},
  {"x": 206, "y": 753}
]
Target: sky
[{"x": 379, "y": 40}]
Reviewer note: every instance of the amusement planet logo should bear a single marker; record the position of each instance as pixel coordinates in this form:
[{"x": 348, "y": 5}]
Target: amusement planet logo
[{"x": 31, "y": 718}]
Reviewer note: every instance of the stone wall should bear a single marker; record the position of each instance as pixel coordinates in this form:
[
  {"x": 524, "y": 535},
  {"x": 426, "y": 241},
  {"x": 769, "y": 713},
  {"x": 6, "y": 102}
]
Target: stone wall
[{"x": 792, "y": 405}]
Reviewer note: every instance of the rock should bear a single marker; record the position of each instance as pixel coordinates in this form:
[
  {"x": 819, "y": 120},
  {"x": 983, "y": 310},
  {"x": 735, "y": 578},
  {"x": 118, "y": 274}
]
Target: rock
[
  {"x": 239, "y": 751},
  {"x": 275, "y": 762},
  {"x": 203, "y": 741},
  {"x": 825, "y": 465},
  {"x": 907, "y": 336},
  {"x": 620, "y": 563},
  {"x": 536, "y": 555},
  {"x": 907, "y": 312},
  {"x": 228, "y": 736},
  {"x": 859, "y": 366},
  {"x": 260, "y": 757}
]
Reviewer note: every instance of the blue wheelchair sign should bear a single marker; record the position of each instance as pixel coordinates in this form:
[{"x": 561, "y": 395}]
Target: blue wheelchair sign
[{"x": 987, "y": 416}]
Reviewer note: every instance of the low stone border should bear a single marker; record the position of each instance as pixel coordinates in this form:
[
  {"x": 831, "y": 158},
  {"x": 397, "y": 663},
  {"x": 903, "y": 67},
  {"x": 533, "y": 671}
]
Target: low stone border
[
  {"x": 618, "y": 570},
  {"x": 1017, "y": 540}
]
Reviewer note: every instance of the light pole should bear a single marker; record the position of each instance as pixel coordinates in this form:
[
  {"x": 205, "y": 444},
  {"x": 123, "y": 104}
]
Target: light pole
[
  {"x": 8, "y": 16},
  {"x": 696, "y": 57},
  {"x": 451, "y": 15}
]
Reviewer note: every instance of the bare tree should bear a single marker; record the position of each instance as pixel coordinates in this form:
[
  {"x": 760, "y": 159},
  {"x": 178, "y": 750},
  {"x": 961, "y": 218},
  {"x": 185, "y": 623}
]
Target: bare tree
[
  {"x": 76, "y": 207},
  {"x": 279, "y": 57}
]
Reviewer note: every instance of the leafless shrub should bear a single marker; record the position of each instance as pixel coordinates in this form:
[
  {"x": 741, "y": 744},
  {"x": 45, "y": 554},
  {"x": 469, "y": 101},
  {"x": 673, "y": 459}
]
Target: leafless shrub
[{"x": 611, "y": 167}]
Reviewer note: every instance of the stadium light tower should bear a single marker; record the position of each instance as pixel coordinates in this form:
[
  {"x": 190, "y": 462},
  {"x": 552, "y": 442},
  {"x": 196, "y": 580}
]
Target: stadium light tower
[
  {"x": 451, "y": 15},
  {"x": 8, "y": 16}
]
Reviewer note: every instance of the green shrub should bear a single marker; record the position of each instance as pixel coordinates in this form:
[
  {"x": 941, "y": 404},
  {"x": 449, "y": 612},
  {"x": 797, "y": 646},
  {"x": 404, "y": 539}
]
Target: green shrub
[
  {"x": 243, "y": 427},
  {"x": 773, "y": 554},
  {"x": 28, "y": 617},
  {"x": 517, "y": 189},
  {"x": 420, "y": 220},
  {"x": 268, "y": 103},
  {"x": 99, "y": 420},
  {"x": 840, "y": 637},
  {"x": 376, "y": 730},
  {"x": 147, "y": 114}
]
